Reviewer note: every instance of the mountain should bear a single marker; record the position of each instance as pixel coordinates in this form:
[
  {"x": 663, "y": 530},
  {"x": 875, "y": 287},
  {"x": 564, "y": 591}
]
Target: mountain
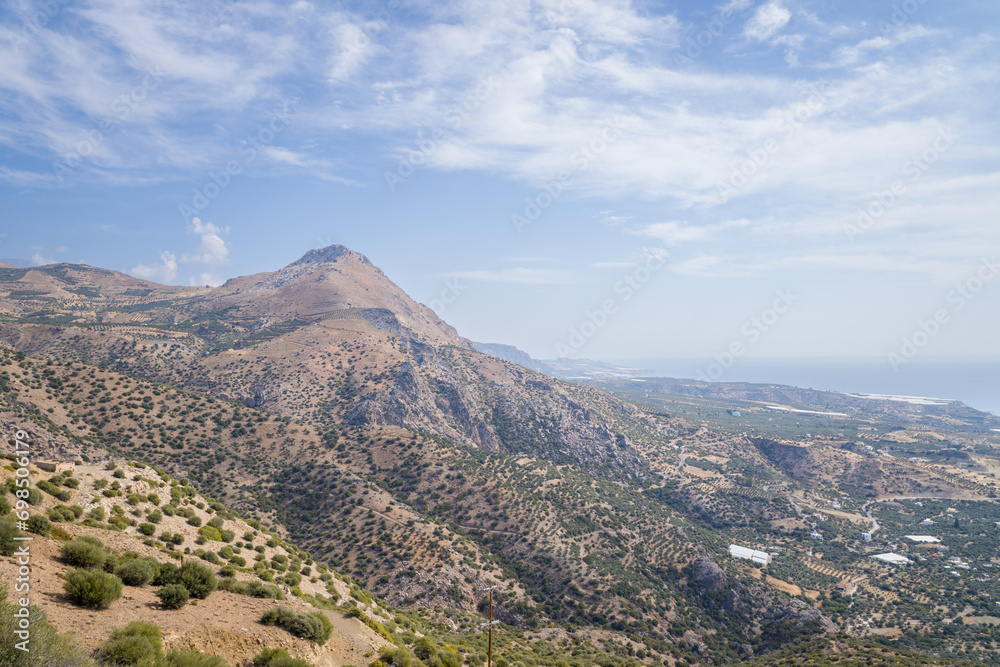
[
  {"x": 562, "y": 368},
  {"x": 323, "y": 403}
]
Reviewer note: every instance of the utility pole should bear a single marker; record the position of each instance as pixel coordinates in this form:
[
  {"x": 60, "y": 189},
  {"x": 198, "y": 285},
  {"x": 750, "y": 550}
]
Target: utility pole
[{"x": 489, "y": 649}]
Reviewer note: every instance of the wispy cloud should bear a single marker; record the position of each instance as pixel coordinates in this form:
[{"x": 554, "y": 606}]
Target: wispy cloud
[{"x": 766, "y": 21}]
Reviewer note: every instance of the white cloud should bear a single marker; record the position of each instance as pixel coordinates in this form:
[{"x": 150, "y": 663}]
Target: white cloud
[
  {"x": 675, "y": 232},
  {"x": 209, "y": 279},
  {"x": 164, "y": 272},
  {"x": 767, "y": 21},
  {"x": 213, "y": 249},
  {"x": 41, "y": 260},
  {"x": 851, "y": 54}
]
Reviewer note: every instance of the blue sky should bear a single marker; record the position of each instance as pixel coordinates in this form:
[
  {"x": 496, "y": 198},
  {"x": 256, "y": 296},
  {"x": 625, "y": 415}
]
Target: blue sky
[{"x": 614, "y": 179}]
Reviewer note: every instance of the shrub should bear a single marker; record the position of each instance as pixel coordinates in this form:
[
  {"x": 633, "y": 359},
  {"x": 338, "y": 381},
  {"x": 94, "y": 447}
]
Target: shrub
[
  {"x": 97, "y": 513},
  {"x": 194, "y": 520},
  {"x": 93, "y": 589},
  {"x": 198, "y": 579},
  {"x": 227, "y": 535},
  {"x": 252, "y": 588},
  {"x": 396, "y": 657},
  {"x": 4, "y": 505},
  {"x": 40, "y": 525},
  {"x": 194, "y": 659},
  {"x": 138, "y": 642},
  {"x": 216, "y": 522},
  {"x": 136, "y": 572},
  {"x": 313, "y": 626},
  {"x": 83, "y": 553},
  {"x": 110, "y": 563},
  {"x": 53, "y": 490},
  {"x": 47, "y": 646},
  {"x": 120, "y": 474},
  {"x": 120, "y": 522},
  {"x": 276, "y": 657},
  {"x": 173, "y": 596},
  {"x": 169, "y": 510},
  {"x": 165, "y": 574},
  {"x": 8, "y": 531},
  {"x": 209, "y": 533},
  {"x": 63, "y": 513},
  {"x": 35, "y": 496},
  {"x": 147, "y": 528},
  {"x": 156, "y": 516}
]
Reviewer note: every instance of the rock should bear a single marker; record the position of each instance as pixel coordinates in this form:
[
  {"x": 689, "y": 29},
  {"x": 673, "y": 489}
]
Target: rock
[
  {"x": 709, "y": 575},
  {"x": 732, "y": 602},
  {"x": 799, "y": 613}
]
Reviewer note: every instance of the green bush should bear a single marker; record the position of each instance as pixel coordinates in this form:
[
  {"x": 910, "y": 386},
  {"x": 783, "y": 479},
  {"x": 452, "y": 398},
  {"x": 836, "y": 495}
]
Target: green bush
[
  {"x": 227, "y": 535},
  {"x": 136, "y": 572},
  {"x": 276, "y": 657},
  {"x": 198, "y": 579},
  {"x": 252, "y": 588},
  {"x": 194, "y": 521},
  {"x": 93, "y": 589},
  {"x": 313, "y": 626},
  {"x": 165, "y": 574},
  {"x": 8, "y": 531},
  {"x": 4, "y": 505},
  {"x": 47, "y": 646},
  {"x": 110, "y": 563},
  {"x": 194, "y": 659},
  {"x": 83, "y": 553},
  {"x": 147, "y": 528},
  {"x": 173, "y": 596},
  {"x": 156, "y": 516},
  {"x": 209, "y": 533},
  {"x": 216, "y": 522},
  {"x": 40, "y": 525},
  {"x": 97, "y": 513},
  {"x": 53, "y": 490},
  {"x": 63, "y": 513},
  {"x": 137, "y": 643}
]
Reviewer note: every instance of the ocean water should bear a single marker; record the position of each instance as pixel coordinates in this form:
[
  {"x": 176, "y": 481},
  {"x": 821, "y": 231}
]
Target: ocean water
[{"x": 975, "y": 383}]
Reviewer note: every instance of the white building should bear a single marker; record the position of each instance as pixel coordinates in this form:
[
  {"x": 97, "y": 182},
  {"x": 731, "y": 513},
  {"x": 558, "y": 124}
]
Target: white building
[
  {"x": 816, "y": 536},
  {"x": 923, "y": 539},
  {"x": 867, "y": 537},
  {"x": 927, "y": 522},
  {"x": 893, "y": 559},
  {"x": 759, "y": 557}
]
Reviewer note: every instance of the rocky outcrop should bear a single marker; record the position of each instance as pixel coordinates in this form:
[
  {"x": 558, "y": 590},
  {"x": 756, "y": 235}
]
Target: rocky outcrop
[
  {"x": 798, "y": 613},
  {"x": 709, "y": 575}
]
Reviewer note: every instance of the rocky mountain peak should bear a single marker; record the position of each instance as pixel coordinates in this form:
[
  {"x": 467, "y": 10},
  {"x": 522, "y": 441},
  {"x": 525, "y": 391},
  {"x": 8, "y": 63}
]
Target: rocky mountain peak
[{"x": 331, "y": 254}]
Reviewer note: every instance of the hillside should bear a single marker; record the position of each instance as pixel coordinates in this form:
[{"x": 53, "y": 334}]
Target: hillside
[{"x": 321, "y": 402}]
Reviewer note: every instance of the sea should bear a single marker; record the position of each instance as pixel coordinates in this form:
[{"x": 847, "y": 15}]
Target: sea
[{"x": 975, "y": 383}]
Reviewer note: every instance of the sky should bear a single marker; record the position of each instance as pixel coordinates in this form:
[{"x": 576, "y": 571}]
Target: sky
[{"x": 777, "y": 179}]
